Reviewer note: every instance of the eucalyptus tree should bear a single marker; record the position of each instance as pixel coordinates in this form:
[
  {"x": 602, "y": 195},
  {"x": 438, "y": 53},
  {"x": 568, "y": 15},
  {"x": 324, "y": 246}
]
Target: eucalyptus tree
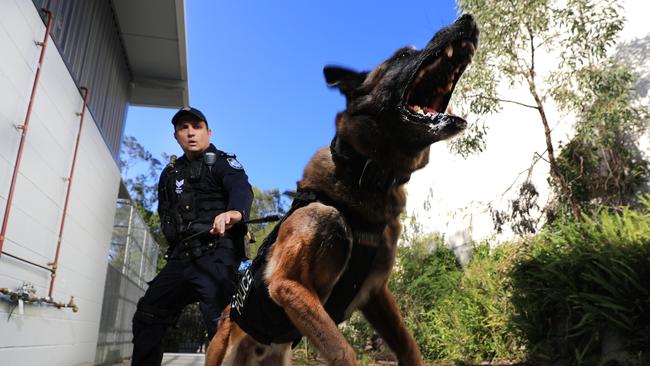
[{"x": 575, "y": 39}]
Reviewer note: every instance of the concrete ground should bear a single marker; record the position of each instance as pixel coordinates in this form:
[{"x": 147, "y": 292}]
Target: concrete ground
[
  {"x": 183, "y": 359},
  {"x": 176, "y": 359}
]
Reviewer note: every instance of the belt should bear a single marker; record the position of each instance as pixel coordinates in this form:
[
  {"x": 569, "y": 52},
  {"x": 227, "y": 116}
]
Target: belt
[{"x": 196, "y": 248}]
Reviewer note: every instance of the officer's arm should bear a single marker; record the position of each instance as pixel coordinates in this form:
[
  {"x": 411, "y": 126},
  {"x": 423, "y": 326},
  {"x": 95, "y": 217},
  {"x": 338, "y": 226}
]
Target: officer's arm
[{"x": 240, "y": 192}]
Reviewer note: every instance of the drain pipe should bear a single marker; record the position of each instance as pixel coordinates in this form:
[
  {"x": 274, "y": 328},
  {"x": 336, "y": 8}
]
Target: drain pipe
[
  {"x": 24, "y": 127},
  {"x": 16, "y": 296},
  {"x": 55, "y": 264}
]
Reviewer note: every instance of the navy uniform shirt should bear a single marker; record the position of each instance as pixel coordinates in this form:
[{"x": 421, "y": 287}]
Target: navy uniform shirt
[{"x": 226, "y": 178}]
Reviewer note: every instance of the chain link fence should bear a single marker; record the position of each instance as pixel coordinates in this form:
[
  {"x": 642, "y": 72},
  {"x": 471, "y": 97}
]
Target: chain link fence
[
  {"x": 132, "y": 259},
  {"x": 133, "y": 250}
]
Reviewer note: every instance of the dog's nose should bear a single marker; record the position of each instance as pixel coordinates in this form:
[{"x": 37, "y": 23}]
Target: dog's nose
[
  {"x": 466, "y": 18},
  {"x": 469, "y": 26}
]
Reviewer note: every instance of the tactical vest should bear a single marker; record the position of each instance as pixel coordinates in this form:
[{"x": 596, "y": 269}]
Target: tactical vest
[
  {"x": 193, "y": 194},
  {"x": 258, "y": 315}
]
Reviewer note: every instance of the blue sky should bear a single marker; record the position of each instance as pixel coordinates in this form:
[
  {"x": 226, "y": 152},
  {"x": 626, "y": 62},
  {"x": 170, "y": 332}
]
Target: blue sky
[{"x": 255, "y": 71}]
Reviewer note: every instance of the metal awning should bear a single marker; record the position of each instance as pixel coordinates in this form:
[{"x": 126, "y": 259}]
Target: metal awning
[{"x": 153, "y": 33}]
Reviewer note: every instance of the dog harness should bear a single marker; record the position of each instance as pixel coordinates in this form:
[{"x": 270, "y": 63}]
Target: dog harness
[
  {"x": 259, "y": 316},
  {"x": 252, "y": 307}
]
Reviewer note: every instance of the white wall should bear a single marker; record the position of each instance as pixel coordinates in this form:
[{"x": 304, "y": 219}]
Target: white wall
[
  {"x": 459, "y": 190},
  {"x": 46, "y": 335}
]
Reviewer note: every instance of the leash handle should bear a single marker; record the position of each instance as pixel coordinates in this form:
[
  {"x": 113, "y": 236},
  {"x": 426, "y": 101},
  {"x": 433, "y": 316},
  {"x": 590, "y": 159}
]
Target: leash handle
[{"x": 269, "y": 218}]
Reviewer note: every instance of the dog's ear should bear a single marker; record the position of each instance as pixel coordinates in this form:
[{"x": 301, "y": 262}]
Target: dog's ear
[{"x": 342, "y": 78}]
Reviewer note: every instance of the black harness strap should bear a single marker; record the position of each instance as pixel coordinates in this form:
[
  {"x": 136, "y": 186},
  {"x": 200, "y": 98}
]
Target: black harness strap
[{"x": 370, "y": 176}]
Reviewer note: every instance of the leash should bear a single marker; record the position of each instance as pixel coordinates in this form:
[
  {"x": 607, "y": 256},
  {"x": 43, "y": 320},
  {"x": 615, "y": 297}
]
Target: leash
[{"x": 269, "y": 218}]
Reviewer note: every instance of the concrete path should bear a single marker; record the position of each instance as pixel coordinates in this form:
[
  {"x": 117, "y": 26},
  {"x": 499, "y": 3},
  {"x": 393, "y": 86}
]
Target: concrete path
[
  {"x": 175, "y": 359},
  {"x": 183, "y": 359}
]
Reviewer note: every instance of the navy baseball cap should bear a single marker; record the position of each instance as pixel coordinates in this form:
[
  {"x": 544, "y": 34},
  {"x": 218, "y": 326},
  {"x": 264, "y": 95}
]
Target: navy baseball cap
[{"x": 188, "y": 111}]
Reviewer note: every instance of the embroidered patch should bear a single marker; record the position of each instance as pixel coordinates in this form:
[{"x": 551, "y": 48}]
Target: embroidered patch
[
  {"x": 234, "y": 163},
  {"x": 179, "y": 186},
  {"x": 239, "y": 299}
]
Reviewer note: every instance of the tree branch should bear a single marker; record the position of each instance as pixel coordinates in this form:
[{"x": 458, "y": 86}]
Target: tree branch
[
  {"x": 536, "y": 157},
  {"x": 504, "y": 101}
]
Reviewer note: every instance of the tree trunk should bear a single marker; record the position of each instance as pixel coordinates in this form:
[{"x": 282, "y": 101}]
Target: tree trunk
[{"x": 565, "y": 190}]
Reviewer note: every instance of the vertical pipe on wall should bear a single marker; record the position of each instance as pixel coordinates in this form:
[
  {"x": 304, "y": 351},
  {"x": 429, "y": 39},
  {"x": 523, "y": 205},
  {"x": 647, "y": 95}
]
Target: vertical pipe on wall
[
  {"x": 23, "y": 127},
  {"x": 55, "y": 263}
]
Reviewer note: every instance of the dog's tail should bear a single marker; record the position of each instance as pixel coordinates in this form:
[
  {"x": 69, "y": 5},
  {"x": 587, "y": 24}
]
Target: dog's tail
[{"x": 219, "y": 343}]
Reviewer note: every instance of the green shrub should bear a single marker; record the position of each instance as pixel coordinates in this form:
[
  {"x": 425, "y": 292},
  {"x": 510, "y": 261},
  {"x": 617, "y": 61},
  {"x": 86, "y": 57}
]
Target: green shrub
[
  {"x": 456, "y": 314},
  {"x": 581, "y": 285}
]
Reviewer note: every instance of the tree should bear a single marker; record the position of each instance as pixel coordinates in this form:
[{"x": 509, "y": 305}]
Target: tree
[
  {"x": 143, "y": 187},
  {"x": 576, "y": 37},
  {"x": 265, "y": 202}
]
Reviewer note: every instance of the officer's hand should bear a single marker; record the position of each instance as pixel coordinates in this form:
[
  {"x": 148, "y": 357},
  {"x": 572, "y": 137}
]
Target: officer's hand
[{"x": 224, "y": 222}]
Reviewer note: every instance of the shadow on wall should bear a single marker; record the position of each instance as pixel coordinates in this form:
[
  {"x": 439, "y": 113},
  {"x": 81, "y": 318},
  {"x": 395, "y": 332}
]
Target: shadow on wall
[
  {"x": 460, "y": 242},
  {"x": 635, "y": 53}
]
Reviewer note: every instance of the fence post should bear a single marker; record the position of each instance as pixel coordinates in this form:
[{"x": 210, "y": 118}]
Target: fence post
[{"x": 128, "y": 239}]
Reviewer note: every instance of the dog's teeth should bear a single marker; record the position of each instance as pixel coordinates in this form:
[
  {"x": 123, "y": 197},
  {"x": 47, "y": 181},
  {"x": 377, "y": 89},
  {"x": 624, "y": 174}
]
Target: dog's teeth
[{"x": 449, "y": 51}]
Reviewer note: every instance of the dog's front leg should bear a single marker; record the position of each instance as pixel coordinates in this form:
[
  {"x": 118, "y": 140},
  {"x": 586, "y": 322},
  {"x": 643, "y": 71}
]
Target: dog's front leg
[
  {"x": 382, "y": 313},
  {"x": 308, "y": 315},
  {"x": 311, "y": 252},
  {"x": 219, "y": 343}
]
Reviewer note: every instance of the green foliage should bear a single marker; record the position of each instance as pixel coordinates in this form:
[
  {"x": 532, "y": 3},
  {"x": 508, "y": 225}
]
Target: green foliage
[
  {"x": 471, "y": 142},
  {"x": 580, "y": 285},
  {"x": 188, "y": 334},
  {"x": 513, "y": 33},
  {"x": 456, "y": 314},
  {"x": 602, "y": 163},
  {"x": 266, "y": 202},
  {"x": 143, "y": 187}
]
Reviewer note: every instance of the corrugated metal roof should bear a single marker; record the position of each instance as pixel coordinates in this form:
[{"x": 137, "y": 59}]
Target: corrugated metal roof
[
  {"x": 153, "y": 34},
  {"x": 123, "y": 51}
]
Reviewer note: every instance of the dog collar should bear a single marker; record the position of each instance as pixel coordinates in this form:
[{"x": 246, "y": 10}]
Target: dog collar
[{"x": 369, "y": 174}]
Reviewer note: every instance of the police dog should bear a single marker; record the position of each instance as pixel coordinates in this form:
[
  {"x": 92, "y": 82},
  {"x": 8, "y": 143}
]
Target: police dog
[{"x": 393, "y": 114}]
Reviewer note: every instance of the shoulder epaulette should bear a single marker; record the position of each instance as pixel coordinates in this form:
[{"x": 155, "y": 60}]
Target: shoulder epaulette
[{"x": 172, "y": 162}]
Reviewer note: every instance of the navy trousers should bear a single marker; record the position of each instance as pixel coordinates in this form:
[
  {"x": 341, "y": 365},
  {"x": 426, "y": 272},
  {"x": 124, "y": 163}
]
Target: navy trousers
[{"x": 209, "y": 279}]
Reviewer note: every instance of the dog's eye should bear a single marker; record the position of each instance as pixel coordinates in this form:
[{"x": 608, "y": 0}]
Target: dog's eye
[{"x": 403, "y": 54}]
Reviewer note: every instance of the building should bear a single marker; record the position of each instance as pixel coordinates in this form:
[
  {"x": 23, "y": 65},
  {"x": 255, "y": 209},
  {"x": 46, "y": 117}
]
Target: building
[{"x": 68, "y": 71}]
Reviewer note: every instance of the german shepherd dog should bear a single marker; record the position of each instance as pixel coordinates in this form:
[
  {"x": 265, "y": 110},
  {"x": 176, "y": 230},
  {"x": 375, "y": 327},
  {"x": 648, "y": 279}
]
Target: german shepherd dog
[{"x": 393, "y": 114}]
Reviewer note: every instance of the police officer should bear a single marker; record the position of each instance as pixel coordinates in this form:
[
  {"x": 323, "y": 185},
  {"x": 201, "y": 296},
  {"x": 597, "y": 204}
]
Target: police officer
[{"x": 203, "y": 190}]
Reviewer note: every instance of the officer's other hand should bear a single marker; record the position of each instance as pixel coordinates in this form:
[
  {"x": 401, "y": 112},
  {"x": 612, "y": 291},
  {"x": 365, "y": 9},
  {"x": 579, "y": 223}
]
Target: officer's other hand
[{"x": 224, "y": 222}]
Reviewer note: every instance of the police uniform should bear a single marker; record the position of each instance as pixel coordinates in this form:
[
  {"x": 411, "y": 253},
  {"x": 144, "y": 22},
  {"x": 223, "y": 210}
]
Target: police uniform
[{"x": 191, "y": 194}]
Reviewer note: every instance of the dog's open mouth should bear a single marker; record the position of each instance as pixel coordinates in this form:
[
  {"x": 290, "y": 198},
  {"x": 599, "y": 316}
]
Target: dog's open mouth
[{"x": 432, "y": 85}]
